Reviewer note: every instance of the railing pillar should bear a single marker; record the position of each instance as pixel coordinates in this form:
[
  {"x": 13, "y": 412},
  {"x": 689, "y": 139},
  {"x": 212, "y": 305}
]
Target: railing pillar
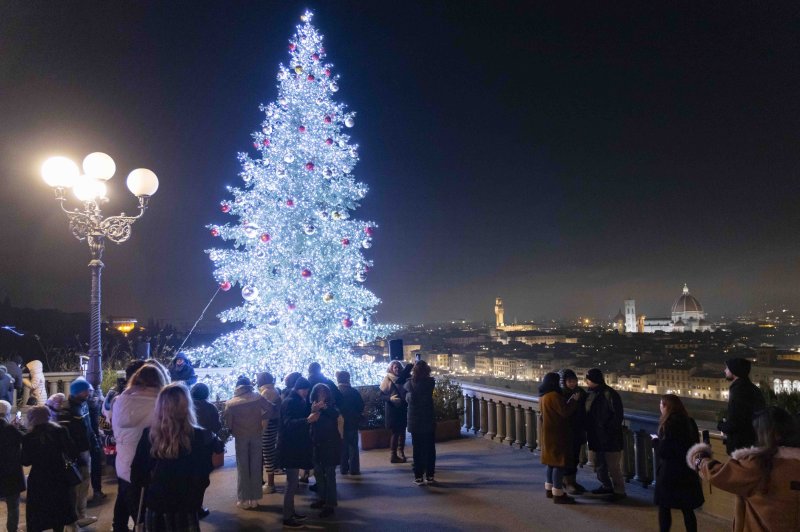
[
  {"x": 501, "y": 421},
  {"x": 52, "y": 387},
  {"x": 26, "y": 394},
  {"x": 530, "y": 429},
  {"x": 509, "y": 424},
  {"x": 467, "y": 412},
  {"x": 628, "y": 454},
  {"x": 476, "y": 414},
  {"x": 519, "y": 424},
  {"x": 484, "y": 416},
  {"x": 643, "y": 447},
  {"x": 491, "y": 429}
]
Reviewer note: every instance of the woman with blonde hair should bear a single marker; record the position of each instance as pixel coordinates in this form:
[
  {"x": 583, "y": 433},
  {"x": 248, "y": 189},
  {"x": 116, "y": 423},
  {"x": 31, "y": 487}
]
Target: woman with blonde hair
[
  {"x": 396, "y": 408},
  {"x": 132, "y": 412},
  {"x": 173, "y": 463},
  {"x": 677, "y": 486}
]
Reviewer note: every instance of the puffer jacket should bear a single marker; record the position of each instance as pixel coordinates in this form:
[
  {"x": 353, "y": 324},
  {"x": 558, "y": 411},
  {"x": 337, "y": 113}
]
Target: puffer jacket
[
  {"x": 269, "y": 393},
  {"x": 132, "y": 412}
]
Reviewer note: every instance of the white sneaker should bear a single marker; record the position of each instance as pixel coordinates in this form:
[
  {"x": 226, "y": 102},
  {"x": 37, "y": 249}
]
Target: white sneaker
[
  {"x": 242, "y": 504},
  {"x": 253, "y": 504},
  {"x": 86, "y": 520}
]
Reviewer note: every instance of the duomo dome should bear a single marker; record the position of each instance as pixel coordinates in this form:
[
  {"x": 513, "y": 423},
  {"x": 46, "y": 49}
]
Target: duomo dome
[{"x": 687, "y": 307}]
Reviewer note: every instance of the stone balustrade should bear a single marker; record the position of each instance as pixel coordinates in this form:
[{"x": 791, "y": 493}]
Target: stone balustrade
[{"x": 512, "y": 418}]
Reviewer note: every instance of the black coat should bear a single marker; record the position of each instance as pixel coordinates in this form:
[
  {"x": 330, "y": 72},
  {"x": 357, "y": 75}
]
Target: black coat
[
  {"x": 326, "y": 439},
  {"x": 175, "y": 485},
  {"x": 419, "y": 396},
  {"x": 744, "y": 400},
  {"x": 604, "y": 417},
  {"x": 207, "y": 415},
  {"x": 48, "y": 497},
  {"x": 351, "y": 407},
  {"x": 12, "y": 481},
  {"x": 396, "y": 416},
  {"x": 294, "y": 435},
  {"x": 677, "y": 486},
  {"x": 6, "y": 388},
  {"x": 74, "y": 416},
  {"x": 15, "y": 372},
  {"x": 577, "y": 421}
]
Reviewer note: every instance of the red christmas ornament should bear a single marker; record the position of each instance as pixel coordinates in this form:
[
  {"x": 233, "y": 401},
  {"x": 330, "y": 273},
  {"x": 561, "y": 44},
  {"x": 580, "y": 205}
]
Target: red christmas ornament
[
  {"x": 226, "y": 207},
  {"x": 306, "y": 273},
  {"x": 266, "y": 142},
  {"x": 309, "y": 166},
  {"x": 214, "y": 232},
  {"x": 265, "y": 237},
  {"x": 329, "y": 141},
  {"x": 315, "y": 57},
  {"x": 328, "y": 72},
  {"x": 290, "y": 203},
  {"x": 301, "y": 129},
  {"x": 347, "y": 322},
  {"x": 310, "y": 77},
  {"x": 327, "y": 119},
  {"x": 369, "y": 230},
  {"x": 225, "y": 286},
  {"x": 292, "y": 46},
  {"x": 291, "y": 306},
  {"x": 345, "y": 241}
]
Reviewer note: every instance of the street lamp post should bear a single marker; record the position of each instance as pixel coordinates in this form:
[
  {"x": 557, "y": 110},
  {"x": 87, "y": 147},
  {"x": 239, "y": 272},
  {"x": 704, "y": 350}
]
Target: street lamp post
[{"x": 90, "y": 188}]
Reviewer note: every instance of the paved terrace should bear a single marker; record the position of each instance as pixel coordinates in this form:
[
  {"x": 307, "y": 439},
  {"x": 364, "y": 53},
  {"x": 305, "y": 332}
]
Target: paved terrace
[{"x": 483, "y": 486}]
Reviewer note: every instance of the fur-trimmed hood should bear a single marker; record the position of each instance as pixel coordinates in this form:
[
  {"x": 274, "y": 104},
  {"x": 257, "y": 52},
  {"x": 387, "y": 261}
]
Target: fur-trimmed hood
[{"x": 787, "y": 453}]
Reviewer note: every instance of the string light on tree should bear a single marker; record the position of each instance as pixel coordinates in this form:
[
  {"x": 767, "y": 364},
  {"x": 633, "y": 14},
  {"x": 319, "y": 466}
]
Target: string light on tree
[{"x": 302, "y": 297}]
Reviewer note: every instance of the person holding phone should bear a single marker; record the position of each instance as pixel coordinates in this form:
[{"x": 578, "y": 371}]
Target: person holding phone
[
  {"x": 577, "y": 427},
  {"x": 556, "y": 438},
  {"x": 677, "y": 486}
]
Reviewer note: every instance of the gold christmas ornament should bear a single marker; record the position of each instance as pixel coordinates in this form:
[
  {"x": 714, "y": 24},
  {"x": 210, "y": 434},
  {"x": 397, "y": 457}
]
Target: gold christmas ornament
[{"x": 298, "y": 69}]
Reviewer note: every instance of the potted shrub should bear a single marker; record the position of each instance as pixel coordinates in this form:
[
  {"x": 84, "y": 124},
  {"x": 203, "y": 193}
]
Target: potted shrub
[
  {"x": 372, "y": 428},
  {"x": 447, "y": 409}
]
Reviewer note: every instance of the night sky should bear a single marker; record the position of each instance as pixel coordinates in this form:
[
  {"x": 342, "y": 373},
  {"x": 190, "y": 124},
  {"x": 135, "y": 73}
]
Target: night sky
[{"x": 561, "y": 158}]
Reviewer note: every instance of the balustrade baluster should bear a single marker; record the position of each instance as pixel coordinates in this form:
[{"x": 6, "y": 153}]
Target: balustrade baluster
[
  {"x": 485, "y": 407},
  {"x": 491, "y": 408},
  {"x": 476, "y": 414},
  {"x": 509, "y": 424},
  {"x": 519, "y": 424},
  {"x": 467, "y": 412},
  {"x": 530, "y": 429},
  {"x": 501, "y": 421}
]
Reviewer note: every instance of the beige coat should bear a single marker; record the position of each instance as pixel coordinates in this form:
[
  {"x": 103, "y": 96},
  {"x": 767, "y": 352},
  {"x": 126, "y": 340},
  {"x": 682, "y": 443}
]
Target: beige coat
[
  {"x": 245, "y": 412},
  {"x": 778, "y": 510},
  {"x": 556, "y": 438}
]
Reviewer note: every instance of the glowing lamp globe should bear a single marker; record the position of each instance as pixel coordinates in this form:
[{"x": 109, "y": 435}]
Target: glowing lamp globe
[
  {"x": 88, "y": 189},
  {"x": 142, "y": 182},
  {"x": 60, "y": 172},
  {"x": 98, "y": 165}
]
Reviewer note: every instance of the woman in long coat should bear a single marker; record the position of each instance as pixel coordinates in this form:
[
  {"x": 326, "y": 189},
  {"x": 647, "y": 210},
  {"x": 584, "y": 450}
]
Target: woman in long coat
[
  {"x": 396, "y": 409},
  {"x": 44, "y": 448},
  {"x": 677, "y": 486},
  {"x": 556, "y": 437},
  {"x": 421, "y": 421}
]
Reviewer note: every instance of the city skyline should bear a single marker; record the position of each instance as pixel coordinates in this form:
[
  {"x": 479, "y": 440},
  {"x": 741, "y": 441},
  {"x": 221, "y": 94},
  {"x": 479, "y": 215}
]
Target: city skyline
[{"x": 562, "y": 159}]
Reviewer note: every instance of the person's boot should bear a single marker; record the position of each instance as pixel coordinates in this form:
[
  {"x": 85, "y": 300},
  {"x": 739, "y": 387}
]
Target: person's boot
[
  {"x": 572, "y": 487},
  {"x": 559, "y": 497},
  {"x": 401, "y": 454},
  {"x": 395, "y": 459}
]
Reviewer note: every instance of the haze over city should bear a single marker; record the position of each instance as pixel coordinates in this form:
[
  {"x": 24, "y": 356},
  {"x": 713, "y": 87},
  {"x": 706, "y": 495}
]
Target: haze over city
[{"x": 562, "y": 158}]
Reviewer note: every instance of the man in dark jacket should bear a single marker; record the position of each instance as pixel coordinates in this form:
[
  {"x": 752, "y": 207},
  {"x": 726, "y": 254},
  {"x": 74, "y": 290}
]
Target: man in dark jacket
[
  {"x": 351, "y": 409},
  {"x": 95, "y": 406},
  {"x": 744, "y": 400},
  {"x": 181, "y": 370},
  {"x": 604, "y": 431},
  {"x": 74, "y": 416},
  {"x": 14, "y": 367},
  {"x": 577, "y": 429},
  {"x": 294, "y": 444},
  {"x": 315, "y": 377}
]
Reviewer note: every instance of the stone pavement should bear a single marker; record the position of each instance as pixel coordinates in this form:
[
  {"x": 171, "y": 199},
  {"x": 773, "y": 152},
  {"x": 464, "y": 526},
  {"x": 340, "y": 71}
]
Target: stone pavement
[{"x": 483, "y": 486}]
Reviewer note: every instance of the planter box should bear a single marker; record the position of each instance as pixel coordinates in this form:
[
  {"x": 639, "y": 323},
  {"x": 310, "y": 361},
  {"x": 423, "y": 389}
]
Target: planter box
[
  {"x": 375, "y": 438},
  {"x": 449, "y": 429}
]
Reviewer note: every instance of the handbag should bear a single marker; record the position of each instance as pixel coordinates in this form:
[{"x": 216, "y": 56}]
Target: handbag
[{"x": 71, "y": 472}]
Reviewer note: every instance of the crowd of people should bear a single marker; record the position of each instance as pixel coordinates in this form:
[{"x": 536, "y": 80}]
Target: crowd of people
[{"x": 167, "y": 441}]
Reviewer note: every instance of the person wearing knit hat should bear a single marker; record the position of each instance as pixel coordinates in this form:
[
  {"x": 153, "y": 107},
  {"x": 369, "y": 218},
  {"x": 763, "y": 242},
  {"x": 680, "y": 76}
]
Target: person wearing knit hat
[
  {"x": 577, "y": 426},
  {"x": 54, "y": 403},
  {"x": 744, "y": 401},
  {"x": 244, "y": 414},
  {"x": 294, "y": 444},
  {"x": 269, "y": 436},
  {"x": 604, "y": 418},
  {"x": 74, "y": 416}
]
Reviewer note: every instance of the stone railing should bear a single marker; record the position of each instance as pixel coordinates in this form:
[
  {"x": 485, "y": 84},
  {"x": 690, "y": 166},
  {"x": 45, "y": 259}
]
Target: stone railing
[{"x": 512, "y": 418}]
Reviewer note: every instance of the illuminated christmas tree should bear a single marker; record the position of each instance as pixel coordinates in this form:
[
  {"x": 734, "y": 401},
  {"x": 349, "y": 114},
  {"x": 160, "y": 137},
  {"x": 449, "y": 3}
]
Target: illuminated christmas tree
[{"x": 295, "y": 253}]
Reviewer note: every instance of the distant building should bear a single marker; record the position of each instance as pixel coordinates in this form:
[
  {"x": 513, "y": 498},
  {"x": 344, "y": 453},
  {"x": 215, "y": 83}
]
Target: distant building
[
  {"x": 687, "y": 316},
  {"x": 500, "y": 323}
]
